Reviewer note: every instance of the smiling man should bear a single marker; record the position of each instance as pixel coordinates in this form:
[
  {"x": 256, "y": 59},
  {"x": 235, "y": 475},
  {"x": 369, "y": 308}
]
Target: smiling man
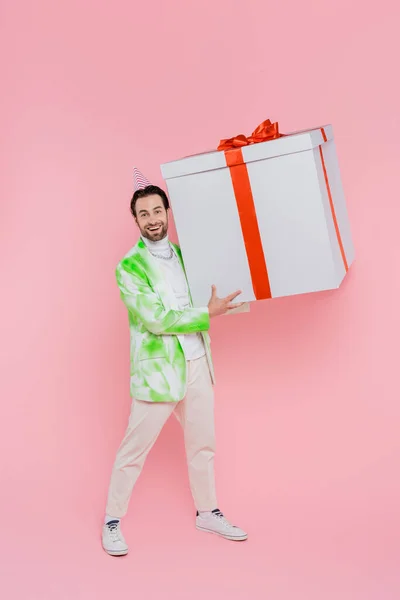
[{"x": 171, "y": 368}]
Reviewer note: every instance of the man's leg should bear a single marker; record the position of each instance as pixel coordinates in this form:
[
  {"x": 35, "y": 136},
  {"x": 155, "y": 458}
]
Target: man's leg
[
  {"x": 145, "y": 424},
  {"x": 196, "y": 414}
]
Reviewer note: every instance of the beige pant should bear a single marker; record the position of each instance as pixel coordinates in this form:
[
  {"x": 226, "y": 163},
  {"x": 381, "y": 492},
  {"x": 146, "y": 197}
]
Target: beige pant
[{"x": 196, "y": 415}]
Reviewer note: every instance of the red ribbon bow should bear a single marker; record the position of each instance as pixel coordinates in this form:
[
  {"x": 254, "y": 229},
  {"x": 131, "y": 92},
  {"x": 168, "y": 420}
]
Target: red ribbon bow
[{"x": 264, "y": 132}]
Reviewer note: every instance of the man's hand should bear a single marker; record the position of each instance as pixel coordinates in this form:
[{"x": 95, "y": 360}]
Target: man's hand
[{"x": 220, "y": 306}]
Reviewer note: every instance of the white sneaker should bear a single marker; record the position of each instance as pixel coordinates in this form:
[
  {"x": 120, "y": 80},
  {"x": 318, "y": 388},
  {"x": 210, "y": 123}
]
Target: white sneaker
[
  {"x": 216, "y": 523},
  {"x": 113, "y": 540}
]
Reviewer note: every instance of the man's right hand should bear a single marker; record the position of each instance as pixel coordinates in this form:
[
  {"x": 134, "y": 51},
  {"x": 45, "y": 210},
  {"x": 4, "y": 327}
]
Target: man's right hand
[{"x": 220, "y": 306}]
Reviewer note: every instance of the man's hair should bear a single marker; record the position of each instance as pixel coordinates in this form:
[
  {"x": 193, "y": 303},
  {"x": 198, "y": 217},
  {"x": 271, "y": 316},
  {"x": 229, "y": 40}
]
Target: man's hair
[{"x": 150, "y": 190}]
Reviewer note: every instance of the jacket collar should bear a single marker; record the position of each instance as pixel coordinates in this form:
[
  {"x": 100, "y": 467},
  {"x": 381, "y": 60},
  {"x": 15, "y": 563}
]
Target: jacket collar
[
  {"x": 155, "y": 274},
  {"x": 146, "y": 252}
]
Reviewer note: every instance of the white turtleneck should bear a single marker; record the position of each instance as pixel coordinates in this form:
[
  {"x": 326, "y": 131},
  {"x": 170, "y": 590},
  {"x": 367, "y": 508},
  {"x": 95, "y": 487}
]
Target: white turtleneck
[{"x": 192, "y": 343}]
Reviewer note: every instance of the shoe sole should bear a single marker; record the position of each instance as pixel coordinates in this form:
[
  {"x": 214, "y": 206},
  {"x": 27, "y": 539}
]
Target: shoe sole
[
  {"x": 231, "y": 538},
  {"x": 117, "y": 553}
]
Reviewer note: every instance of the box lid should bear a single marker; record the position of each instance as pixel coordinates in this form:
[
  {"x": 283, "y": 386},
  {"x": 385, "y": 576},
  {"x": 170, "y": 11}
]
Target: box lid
[{"x": 298, "y": 141}]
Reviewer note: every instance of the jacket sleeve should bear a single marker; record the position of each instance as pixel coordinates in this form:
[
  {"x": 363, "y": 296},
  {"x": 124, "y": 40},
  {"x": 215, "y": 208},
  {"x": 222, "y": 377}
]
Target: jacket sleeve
[{"x": 144, "y": 303}]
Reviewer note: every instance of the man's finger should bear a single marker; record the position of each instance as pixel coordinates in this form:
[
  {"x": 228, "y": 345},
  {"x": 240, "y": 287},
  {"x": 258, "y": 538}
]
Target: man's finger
[
  {"x": 213, "y": 291},
  {"x": 233, "y": 296},
  {"x": 235, "y": 305}
]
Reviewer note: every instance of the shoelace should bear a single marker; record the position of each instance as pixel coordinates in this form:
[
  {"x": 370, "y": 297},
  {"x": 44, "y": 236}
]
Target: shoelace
[
  {"x": 113, "y": 528},
  {"x": 218, "y": 515}
]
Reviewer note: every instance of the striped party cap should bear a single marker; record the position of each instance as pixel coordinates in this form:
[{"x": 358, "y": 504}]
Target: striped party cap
[{"x": 139, "y": 180}]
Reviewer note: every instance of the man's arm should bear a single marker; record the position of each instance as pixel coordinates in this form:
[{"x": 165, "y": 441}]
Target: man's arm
[{"x": 141, "y": 301}]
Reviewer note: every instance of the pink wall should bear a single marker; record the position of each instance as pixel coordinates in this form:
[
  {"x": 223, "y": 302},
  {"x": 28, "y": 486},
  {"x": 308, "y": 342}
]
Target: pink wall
[{"x": 308, "y": 393}]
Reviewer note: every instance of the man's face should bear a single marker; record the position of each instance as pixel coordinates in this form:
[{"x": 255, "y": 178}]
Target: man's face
[{"x": 152, "y": 218}]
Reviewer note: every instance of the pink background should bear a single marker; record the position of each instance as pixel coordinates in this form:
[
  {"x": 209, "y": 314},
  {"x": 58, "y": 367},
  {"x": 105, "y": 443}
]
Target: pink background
[{"x": 308, "y": 392}]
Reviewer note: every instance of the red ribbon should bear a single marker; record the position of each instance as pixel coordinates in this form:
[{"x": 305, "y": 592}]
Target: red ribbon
[
  {"x": 263, "y": 133},
  {"x": 331, "y": 204},
  {"x": 266, "y": 131}
]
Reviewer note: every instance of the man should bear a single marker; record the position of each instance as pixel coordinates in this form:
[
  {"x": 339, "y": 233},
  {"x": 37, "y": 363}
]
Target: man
[{"x": 171, "y": 368}]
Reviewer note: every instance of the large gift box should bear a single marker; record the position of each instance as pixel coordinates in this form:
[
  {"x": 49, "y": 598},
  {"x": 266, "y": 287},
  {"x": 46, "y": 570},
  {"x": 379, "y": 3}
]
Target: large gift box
[{"x": 265, "y": 214}]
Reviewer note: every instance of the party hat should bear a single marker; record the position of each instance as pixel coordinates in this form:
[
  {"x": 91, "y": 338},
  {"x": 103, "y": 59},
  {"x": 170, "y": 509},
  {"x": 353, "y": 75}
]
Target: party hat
[{"x": 139, "y": 180}]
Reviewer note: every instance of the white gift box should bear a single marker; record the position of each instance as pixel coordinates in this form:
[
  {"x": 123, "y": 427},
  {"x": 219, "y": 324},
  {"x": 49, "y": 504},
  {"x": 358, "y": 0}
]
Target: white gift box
[{"x": 269, "y": 218}]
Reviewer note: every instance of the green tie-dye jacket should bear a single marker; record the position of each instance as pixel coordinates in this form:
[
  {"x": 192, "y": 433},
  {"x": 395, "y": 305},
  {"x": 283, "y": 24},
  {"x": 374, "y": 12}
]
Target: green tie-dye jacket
[{"x": 158, "y": 364}]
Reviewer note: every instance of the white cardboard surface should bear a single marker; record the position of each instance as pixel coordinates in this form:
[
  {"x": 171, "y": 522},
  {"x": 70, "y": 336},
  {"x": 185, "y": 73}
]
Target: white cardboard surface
[{"x": 293, "y": 212}]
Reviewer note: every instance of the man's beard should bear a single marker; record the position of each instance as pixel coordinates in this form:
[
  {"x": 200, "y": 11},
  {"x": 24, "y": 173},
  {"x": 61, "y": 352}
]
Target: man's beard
[{"x": 156, "y": 236}]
